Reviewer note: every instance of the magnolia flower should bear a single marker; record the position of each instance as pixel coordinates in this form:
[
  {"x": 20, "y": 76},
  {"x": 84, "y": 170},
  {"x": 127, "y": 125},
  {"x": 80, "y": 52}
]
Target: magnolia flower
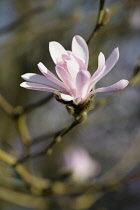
[{"x": 74, "y": 82}]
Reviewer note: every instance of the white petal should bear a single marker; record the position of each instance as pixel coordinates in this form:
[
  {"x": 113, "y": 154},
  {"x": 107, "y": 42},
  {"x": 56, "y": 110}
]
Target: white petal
[
  {"x": 52, "y": 77},
  {"x": 80, "y": 49},
  {"x": 66, "y": 97},
  {"x": 35, "y": 86},
  {"x": 101, "y": 60},
  {"x": 73, "y": 68},
  {"x": 113, "y": 88},
  {"x": 82, "y": 65},
  {"x": 36, "y": 78},
  {"x": 109, "y": 64},
  {"x": 56, "y": 51},
  {"x": 82, "y": 83}
]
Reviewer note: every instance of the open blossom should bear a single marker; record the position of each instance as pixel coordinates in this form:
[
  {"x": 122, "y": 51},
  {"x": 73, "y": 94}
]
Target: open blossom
[{"x": 74, "y": 82}]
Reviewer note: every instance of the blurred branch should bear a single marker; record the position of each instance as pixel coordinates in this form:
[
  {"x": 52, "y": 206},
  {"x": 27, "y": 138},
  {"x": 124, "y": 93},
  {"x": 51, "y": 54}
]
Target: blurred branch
[
  {"x": 136, "y": 76},
  {"x": 81, "y": 202},
  {"x": 24, "y": 200},
  {"x": 91, "y": 194},
  {"x": 15, "y": 112},
  {"x": 36, "y": 184},
  {"x": 103, "y": 18},
  {"x": 24, "y": 133},
  {"x": 115, "y": 178},
  {"x": 23, "y": 130},
  {"x": 57, "y": 138},
  {"x": 6, "y": 106},
  {"x": 112, "y": 180},
  {"x": 20, "y": 120}
]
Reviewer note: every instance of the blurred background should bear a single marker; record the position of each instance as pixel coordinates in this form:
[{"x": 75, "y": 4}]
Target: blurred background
[{"x": 26, "y": 28}]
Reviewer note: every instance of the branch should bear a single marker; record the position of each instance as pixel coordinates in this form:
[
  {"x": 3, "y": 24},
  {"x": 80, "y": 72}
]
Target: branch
[
  {"x": 36, "y": 184},
  {"x": 24, "y": 200},
  {"x": 6, "y": 106},
  {"x": 48, "y": 150},
  {"x": 103, "y": 18},
  {"x": 15, "y": 112}
]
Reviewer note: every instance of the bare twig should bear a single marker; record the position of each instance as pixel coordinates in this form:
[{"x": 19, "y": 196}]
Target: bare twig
[{"x": 103, "y": 18}]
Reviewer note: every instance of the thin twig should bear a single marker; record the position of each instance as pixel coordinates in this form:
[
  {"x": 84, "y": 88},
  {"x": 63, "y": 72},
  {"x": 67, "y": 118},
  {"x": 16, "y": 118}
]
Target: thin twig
[{"x": 102, "y": 19}]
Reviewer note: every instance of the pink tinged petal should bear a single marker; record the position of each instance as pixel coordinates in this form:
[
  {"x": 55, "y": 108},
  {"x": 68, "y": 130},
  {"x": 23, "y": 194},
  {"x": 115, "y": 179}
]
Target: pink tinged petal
[
  {"x": 36, "y": 78},
  {"x": 52, "y": 77},
  {"x": 113, "y": 88},
  {"x": 56, "y": 51},
  {"x": 109, "y": 64},
  {"x": 65, "y": 76},
  {"x": 80, "y": 49},
  {"x": 111, "y": 61},
  {"x": 82, "y": 83},
  {"x": 35, "y": 86},
  {"x": 66, "y": 97}
]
